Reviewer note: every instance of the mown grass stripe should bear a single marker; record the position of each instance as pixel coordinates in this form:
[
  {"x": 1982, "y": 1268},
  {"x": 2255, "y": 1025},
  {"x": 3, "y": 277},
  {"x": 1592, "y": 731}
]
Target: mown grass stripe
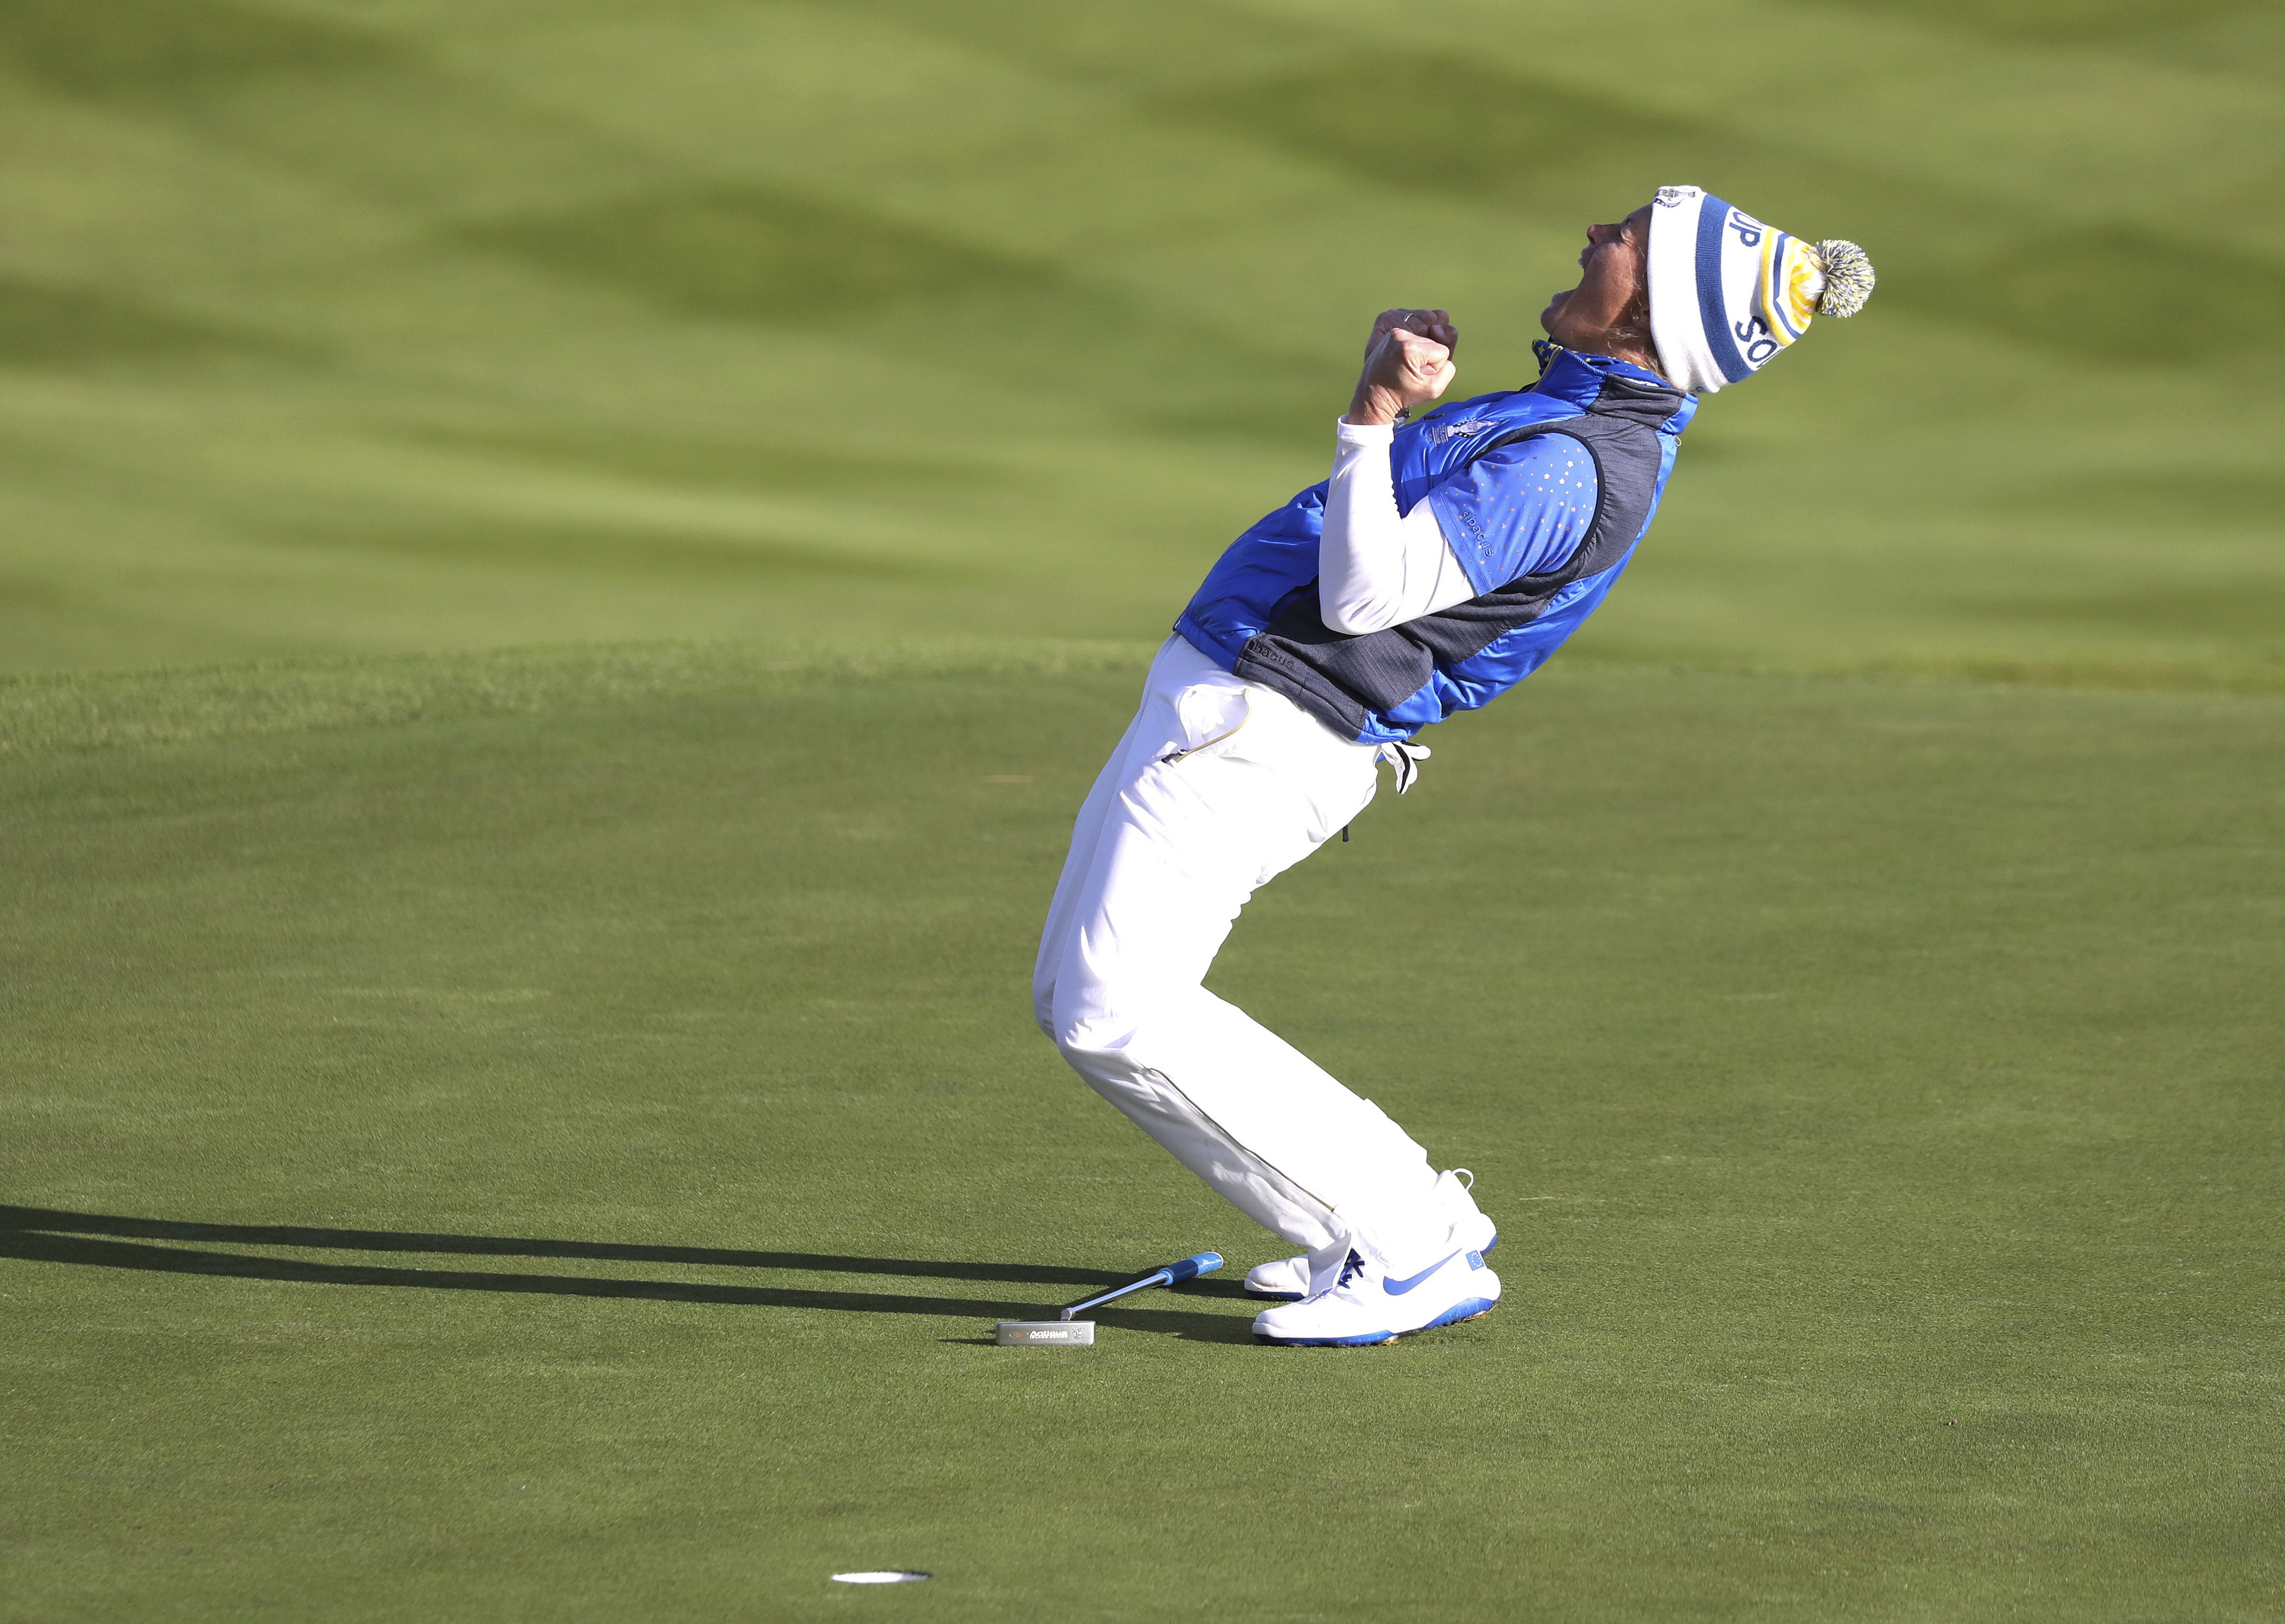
[{"x": 82, "y": 710}]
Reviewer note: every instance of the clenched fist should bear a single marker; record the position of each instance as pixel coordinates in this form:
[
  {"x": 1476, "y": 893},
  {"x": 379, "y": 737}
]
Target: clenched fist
[{"x": 1408, "y": 361}]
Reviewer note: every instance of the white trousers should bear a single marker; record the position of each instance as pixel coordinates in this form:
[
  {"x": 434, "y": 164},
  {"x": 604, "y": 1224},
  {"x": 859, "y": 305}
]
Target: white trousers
[{"x": 1219, "y": 785}]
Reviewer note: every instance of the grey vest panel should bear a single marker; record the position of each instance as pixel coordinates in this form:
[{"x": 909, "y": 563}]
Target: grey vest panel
[{"x": 1338, "y": 678}]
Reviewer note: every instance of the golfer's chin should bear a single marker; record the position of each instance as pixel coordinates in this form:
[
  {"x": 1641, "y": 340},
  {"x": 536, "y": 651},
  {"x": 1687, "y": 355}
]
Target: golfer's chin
[{"x": 1554, "y": 313}]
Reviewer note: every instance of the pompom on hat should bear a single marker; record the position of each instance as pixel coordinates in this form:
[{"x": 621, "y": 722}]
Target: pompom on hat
[{"x": 1727, "y": 294}]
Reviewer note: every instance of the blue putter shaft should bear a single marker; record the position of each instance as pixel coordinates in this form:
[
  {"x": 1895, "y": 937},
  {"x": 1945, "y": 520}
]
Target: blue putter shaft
[{"x": 1188, "y": 1268}]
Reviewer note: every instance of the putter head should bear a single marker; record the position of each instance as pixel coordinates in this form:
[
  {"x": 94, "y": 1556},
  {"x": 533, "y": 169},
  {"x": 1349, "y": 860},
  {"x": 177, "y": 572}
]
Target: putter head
[{"x": 1044, "y": 1333}]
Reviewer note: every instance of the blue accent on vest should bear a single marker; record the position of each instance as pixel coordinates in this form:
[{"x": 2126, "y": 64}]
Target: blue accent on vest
[
  {"x": 1275, "y": 562},
  {"x": 1713, "y": 310},
  {"x": 1518, "y": 509},
  {"x": 1514, "y": 656}
]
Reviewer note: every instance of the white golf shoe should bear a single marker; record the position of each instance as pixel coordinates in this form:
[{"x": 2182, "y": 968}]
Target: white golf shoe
[
  {"x": 1367, "y": 1305},
  {"x": 1289, "y": 1280}
]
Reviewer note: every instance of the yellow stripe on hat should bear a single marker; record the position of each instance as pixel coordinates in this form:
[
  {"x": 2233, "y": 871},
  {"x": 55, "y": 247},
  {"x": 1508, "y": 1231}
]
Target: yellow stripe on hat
[{"x": 1784, "y": 295}]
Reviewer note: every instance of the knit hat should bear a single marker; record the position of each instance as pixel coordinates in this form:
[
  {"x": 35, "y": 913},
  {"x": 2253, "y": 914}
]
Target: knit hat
[{"x": 1727, "y": 292}]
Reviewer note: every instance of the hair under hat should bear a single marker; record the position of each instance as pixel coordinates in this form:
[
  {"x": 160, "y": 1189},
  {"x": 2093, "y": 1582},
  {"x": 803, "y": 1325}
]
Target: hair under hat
[{"x": 1728, "y": 293}]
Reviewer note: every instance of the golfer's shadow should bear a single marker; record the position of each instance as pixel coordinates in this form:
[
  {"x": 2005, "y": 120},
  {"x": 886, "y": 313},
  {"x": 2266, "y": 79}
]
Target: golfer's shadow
[{"x": 97, "y": 1240}]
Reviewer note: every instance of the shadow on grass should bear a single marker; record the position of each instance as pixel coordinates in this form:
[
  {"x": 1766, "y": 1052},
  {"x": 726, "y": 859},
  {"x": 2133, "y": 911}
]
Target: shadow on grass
[{"x": 42, "y": 1236}]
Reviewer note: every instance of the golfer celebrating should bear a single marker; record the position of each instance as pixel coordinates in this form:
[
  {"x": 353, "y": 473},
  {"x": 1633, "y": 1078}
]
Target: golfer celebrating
[{"x": 1441, "y": 565}]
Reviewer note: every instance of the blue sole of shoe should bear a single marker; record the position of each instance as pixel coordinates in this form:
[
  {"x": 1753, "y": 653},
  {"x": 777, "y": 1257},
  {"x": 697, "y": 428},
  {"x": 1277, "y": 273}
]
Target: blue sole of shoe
[
  {"x": 1472, "y": 1308},
  {"x": 1475, "y": 1307},
  {"x": 1295, "y": 1297}
]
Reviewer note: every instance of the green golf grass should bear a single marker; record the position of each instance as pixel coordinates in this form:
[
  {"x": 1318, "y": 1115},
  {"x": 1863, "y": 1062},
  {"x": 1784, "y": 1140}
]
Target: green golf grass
[
  {"x": 563, "y": 567},
  {"x": 561, "y": 1157}
]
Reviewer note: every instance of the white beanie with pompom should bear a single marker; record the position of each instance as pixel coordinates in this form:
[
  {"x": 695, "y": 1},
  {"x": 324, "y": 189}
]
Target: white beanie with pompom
[{"x": 1729, "y": 294}]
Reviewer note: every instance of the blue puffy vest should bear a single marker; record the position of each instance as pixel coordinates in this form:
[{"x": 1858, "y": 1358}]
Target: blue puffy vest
[{"x": 1257, "y": 613}]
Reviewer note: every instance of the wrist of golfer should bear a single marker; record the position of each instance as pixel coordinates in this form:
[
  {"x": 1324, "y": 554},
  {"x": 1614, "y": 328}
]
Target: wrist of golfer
[{"x": 1374, "y": 405}]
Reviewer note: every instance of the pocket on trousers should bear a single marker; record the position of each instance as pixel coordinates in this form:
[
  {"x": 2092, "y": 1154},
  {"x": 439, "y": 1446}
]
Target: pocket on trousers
[
  {"x": 1201, "y": 717},
  {"x": 1209, "y": 711}
]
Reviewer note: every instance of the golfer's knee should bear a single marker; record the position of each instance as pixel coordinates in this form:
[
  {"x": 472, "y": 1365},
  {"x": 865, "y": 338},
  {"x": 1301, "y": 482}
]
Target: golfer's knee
[
  {"x": 1082, "y": 1033},
  {"x": 1073, "y": 1039}
]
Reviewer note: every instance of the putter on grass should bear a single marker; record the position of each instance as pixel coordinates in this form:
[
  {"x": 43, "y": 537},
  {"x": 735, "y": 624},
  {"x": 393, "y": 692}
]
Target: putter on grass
[{"x": 1068, "y": 1333}]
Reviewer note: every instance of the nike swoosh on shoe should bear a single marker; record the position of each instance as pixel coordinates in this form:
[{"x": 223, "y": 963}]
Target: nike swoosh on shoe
[{"x": 1398, "y": 1288}]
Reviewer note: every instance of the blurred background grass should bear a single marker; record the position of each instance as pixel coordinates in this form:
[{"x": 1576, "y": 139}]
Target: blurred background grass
[{"x": 357, "y": 326}]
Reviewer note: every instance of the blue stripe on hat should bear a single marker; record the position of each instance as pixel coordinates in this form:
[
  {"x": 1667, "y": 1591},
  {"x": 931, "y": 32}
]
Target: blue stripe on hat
[{"x": 1713, "y": 314}]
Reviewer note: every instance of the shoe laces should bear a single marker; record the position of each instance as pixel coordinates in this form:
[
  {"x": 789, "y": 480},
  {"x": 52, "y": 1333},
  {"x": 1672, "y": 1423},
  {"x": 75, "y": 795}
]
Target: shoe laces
[{"x": 1352, "y": 1266}]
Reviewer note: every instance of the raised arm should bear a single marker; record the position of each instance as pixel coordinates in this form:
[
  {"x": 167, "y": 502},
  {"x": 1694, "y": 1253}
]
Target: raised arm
[{"x": 1377, "y": 568}]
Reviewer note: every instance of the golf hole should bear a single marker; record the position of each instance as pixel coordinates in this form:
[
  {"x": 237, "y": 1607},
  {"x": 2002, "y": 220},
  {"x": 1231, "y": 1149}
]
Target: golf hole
[{"x": 879, "y": 1576}]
